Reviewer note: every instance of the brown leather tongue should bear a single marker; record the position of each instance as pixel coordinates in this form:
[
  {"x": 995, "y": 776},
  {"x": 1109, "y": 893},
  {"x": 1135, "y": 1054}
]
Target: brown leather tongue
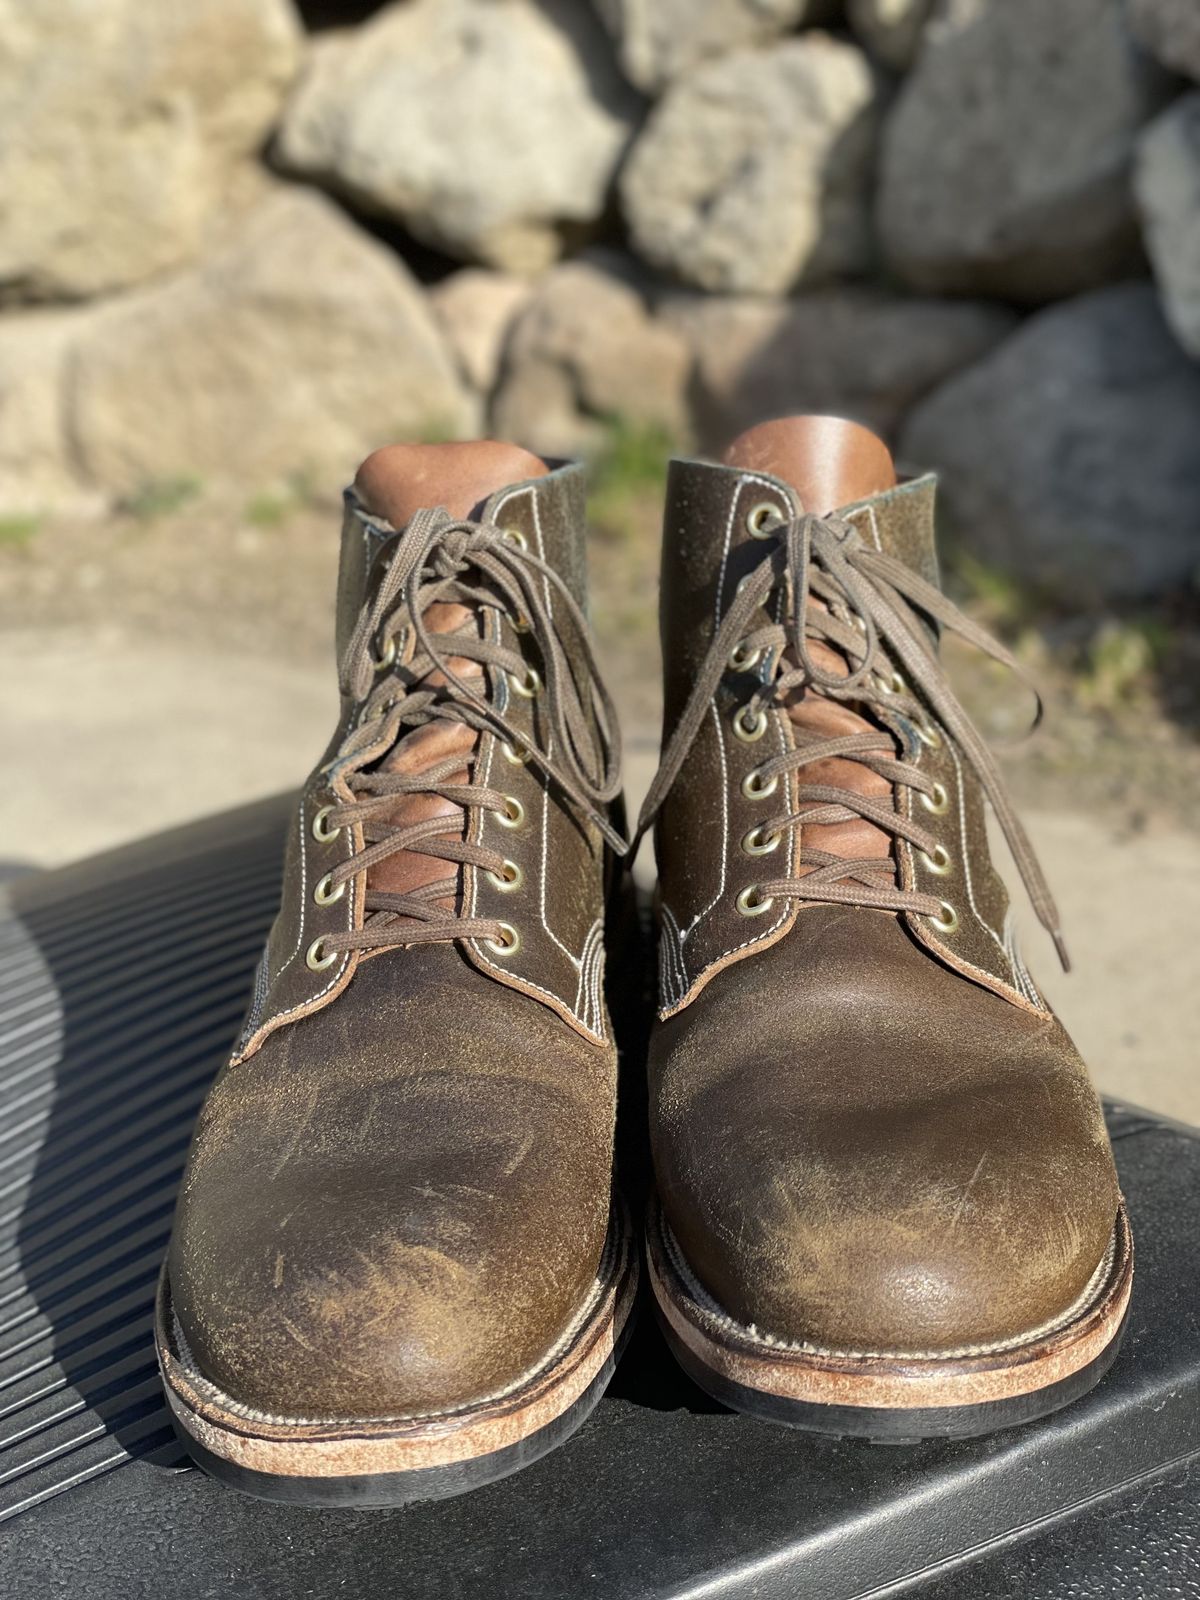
[
  {"x": 395, "y": 483},
  {"x": 402, "y": 479},
  {"x": 829, "y": 462}
]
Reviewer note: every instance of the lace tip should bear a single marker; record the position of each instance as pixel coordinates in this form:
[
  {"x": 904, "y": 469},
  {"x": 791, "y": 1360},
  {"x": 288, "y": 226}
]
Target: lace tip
[{"x": 1060, "y": 945}]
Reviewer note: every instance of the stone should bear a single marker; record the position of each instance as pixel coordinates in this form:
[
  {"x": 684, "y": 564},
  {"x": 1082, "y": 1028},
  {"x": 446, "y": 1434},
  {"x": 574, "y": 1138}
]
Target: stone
[
  {"x": 1006, "y": 160},
  {"x": 298, "y": 347},
  {"x": 475, "y": 308},
  {"x": 487, "y": 127},
  {"x": 849, "y": 352},
  {"x": 587, "y": 352},
  {"x": 122, "y": 128},
  {"x": 1167, "y": 183},
  {"x": 752, "y": 173},
  {"x": 890, "y": 29},
  {"x": 37, "y": 469},
  {"x": 1170, "y": 30},
  {"x": 658, "y": 40},
  {"x": 1069, "y": 456}
]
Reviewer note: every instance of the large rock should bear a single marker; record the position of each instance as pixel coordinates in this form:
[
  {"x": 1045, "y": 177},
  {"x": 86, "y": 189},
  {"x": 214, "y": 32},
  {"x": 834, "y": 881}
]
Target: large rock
[
  {"x": 851, "y": 352},
  {"x": 122, "y": 127},
  {"x": 37, "y": 467},
  {"x": 297, "y": 348},
  {"x": 584, "y": 353},
  {"x": 1170, "y": 30},
  {"x": 1006, "y": 160},
  {"x": 752, "y": 173},
  {"x": 659, "y": 39},
  {"x": 891, "y": 29},
  {"x": 1069, "y": 457},
  {"x": 475, "y": 308},
  {"x": 1168, "y": 191},
  {"x": 485, "y": 126}
]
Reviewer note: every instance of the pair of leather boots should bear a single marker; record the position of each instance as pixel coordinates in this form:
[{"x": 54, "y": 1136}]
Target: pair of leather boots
[{"x": 885, "y": 1202}]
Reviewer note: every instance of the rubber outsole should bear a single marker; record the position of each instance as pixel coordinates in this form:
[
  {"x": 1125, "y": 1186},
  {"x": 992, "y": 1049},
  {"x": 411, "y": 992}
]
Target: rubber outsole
[{"x": 711, "y": 1349}]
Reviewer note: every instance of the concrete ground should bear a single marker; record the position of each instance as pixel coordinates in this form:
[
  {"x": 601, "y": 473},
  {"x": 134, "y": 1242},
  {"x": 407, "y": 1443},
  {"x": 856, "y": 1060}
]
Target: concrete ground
[{"x": 109, "y": 736}]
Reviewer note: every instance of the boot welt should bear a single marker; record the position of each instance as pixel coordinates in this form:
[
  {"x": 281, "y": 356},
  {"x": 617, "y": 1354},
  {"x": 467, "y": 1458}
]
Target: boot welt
[
  {"x": 898, "y": 1397},
  {"x": 392, "y": 1461}
]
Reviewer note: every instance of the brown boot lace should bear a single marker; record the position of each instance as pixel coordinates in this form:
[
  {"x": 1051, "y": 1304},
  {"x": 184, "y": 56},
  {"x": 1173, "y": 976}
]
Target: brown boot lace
[
  {"x": 484, "y": 568},
  {"x": 860, "y": 602}
]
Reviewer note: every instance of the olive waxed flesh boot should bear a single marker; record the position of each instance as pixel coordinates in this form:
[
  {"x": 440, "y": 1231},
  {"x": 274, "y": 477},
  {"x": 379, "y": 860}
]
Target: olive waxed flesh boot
[
  {"x": 886, "y": 1202},
  {"x": 397, "y": 1270}
]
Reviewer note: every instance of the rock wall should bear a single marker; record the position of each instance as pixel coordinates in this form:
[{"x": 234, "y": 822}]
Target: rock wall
[{"x": 235, "y": 250}]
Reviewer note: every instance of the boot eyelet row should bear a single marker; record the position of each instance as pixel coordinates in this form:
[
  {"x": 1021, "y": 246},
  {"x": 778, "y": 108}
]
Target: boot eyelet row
[
  {"x": 509, "y": 942},
  {"x": 324, "y": 894},
  {"x": 755, "y": 789},
  {"x": 947, "y": 920},
  {"x": 929, "y": 735},
  {"x": 937, "y": 800},
  {"x": 749, "y": 732},
  {"x": 321, "y": 832},
  {"x": 510, "y": 876},
  {"x": 741, "y": 659},
  {"x": 388, "y": 659},
  {"x": 939, "y": 862},
  {"x": 526, "y": 686},
  {"x": 515, "y": 755},
  {"x": 753, "y": 903},
  {"x": 513, "y": 814},
  {"x": 758, "y": 843},
  {"x": 317, "y": 958},
  {"x": 763, "y": 519},
  {"x": 893, "y": 684}
]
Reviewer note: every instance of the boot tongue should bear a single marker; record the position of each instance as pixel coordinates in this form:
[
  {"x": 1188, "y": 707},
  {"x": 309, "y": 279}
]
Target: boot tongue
[
  {"x": 395, "y": 483},
  {"x": 828, "y": 461},
  {"x": 402, "y": 479}
]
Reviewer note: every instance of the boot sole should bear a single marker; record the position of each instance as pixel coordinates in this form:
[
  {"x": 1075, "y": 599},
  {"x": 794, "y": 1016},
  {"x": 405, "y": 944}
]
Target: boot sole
[
  {"x": 391, "y": 1462},
  {"x": 890, "y": 1399}
]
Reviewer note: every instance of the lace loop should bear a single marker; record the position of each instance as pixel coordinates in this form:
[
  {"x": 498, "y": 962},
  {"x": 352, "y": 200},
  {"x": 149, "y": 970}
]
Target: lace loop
[{"x": 869, "y": 608}]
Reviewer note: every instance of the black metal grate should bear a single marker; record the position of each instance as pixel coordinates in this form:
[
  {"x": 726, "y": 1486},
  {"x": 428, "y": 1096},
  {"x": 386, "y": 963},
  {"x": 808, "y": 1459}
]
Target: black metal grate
[{"x": 122, "y": 984}]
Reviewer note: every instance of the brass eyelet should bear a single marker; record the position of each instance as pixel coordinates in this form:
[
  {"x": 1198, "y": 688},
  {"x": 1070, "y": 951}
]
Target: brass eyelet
[
  {"x": 515, "y": 755},
  {"x": 894, "y": 684},
  {"x": 939, "y": 862},
  {"x": 929, "y": 735},
  {"x": 324, "y": 895},
  {"x": 388, "y": 658},
  {"x": 763, "y": 519},
  {"x": 513, "y": 814},
  {"x": 527, "y": 686},
  {"x": 937, "y": 800},
  {"x": 750, "y": 904},
  {"x": 317, "y": 957},
  {"x": 515, "y": 536},
  {"x": 748, "y": 733},
  {"x": 520, "y": 622},
  {"x": 753, "y": 787},
  {"x": 756, "y": 843},
  {"x": 741, "y": 659},
  {"x": 320, "y": 832},
  {"x": 511, "y": 876},
  {"x": 509, "y": 944},
  {"x": 948, "y": 920}
]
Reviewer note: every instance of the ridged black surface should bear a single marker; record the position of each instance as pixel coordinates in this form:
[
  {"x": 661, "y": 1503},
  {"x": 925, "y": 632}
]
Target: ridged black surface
[{"x": 122, "y": 983}]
